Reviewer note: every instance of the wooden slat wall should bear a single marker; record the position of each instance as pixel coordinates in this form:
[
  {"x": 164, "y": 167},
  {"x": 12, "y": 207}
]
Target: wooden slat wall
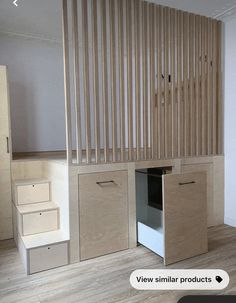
[{"x": 152, "y": 88}]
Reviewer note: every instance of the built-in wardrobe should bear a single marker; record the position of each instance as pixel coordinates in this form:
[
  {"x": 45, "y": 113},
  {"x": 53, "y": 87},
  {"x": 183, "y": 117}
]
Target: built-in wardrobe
[{"x": 143, "y": 106}]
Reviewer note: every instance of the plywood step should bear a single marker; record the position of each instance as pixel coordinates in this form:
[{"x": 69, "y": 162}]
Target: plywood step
[
  {"x": 37, "y": 218},
  {"x": 43, "y": 251},
  {"x": 30, "y": 191}
]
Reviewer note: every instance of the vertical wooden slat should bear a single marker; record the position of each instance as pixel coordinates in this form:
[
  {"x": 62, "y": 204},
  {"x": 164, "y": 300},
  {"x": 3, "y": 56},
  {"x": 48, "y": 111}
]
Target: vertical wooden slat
[
  {"x": 214, "y": 71},
  {"x": 121, "y": 80},
  {"x": 113, "y": 78},
  {"x": 105, "y": 82},
  {"x": 179, "y": 81},
  {"x": 155, "y": 75},
  {"x": 203, "y": 77},
  {"x": 159, "y": 80},
  {"x": 197, "y": 86},
  {"x": 191, "y": 86},
  {"x": 86, "y": 81},
  {"x": 137, "y": 76},
  {"x": 166, "y": 77},
  {"x": 96, "y": 83},
  {"x": 152, "y": 78},
  {"x": 129, "y": 76},
  {"x": 66, "y": 67},
  {"x": 210, "y": 87},
  {"x": 186, "y": 84},
  {"x": 76, "y": 69},
  {"x": 219, "y": 91},
  {"x": 173, "y": 82},
  {"x": 145, "y": 88},
  {"x": 206, "y": 99}
]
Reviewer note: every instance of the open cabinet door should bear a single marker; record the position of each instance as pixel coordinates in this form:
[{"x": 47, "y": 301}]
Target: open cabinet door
[
  {"x": 185, "y": 216},
  {"x": 5, "y": 158}
]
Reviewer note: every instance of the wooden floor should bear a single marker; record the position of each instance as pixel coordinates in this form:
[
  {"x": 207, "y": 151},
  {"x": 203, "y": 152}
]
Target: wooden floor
[{"x": 106, "y": 279}]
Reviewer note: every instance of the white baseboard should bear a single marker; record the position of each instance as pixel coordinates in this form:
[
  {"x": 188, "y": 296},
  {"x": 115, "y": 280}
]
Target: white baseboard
[{"x": 230, "y": 222}]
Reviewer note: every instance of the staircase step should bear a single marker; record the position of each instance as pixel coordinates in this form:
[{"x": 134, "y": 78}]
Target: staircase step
[
  {"x": 36, "y": 207},
  {"x": 44, "y": 251},
  {"x": 43, "y": 239},
  {"x": 30, "y": 191},
  {"x": 37, "y": 218}
]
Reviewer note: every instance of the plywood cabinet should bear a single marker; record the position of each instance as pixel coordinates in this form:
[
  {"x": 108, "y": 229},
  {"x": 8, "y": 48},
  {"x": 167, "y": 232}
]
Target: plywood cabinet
[
  {"x": 175, "y": 227},
  {"x": 185, "y": 216},
  {"x": 103, "y": 209},
  {"x": 6, "y": 230}
]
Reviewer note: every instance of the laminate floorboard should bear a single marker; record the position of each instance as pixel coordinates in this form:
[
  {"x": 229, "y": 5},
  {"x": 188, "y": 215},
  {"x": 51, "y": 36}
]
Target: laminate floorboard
[{"x": 106, "y": 279}]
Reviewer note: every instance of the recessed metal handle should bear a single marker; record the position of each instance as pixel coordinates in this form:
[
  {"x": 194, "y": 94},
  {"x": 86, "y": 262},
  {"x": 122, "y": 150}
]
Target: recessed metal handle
[
  {"x": 7, "y": 138},
  {"x": 105, "y": 183},
  {"x": 186, "y": 183}
]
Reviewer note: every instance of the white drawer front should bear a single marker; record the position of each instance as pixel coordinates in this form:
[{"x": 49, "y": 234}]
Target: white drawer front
[
  {"x": 151, "y": 239},
  {"x": 47, "y": 257},
  {"x": 33, "y": 193},
  {"x": 39, "y": 222}
]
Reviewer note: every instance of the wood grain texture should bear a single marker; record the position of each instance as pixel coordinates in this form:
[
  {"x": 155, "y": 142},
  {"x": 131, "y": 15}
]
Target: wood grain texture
[
  {"x": 32, "y": 193},
  {"x": 157, "y": 92},
  {"x": 103, "y": 209},
  {"x": 106, "y": 279},
  {"x": 185, "y": 216},
  {"x": 6, "y": 231},
  {"x": 76, "y": 82},
  {"x": 66, "y": 69}
]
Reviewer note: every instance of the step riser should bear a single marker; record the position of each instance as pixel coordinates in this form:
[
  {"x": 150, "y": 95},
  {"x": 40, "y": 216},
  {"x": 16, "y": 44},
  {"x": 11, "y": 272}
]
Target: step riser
[
  {"x": 44, "y": 257},
  {"x": 38, "y": 222},
  {"x": 32, "y": 193}
]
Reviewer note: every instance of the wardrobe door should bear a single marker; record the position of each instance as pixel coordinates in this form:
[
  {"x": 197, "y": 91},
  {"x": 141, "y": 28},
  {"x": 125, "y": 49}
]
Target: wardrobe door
[
  {"x": 5, "y": 158},
  {"x": 185, "y": 216},
  {"x": 103, "y": 212}
]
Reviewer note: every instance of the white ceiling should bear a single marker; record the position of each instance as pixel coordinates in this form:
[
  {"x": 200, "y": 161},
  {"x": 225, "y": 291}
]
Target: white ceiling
[
  {"x": 32, "y": 17},
  {"x": 43, "y": 17},
  {"x": 209, "y": 8}
]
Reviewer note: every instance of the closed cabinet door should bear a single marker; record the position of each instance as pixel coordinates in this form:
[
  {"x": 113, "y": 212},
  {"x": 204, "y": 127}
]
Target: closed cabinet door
[
  {"x": 6, "y": 231},
  {"x": 185, "y": 216},
  {"x": 103, "y": 212}
]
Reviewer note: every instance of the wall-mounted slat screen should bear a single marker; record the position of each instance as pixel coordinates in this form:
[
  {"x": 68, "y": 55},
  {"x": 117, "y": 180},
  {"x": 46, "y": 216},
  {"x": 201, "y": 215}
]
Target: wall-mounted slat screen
[{"x": 142, "y": 81}]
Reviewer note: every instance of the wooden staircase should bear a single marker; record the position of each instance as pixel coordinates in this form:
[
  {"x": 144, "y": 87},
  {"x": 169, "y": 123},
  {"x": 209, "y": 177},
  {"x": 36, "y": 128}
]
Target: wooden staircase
[{"x": 41, "y": 243}]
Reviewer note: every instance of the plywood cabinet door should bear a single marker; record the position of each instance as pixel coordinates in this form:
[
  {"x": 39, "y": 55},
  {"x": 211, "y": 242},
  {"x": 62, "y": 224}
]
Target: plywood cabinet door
[
  {"x": 103, "y": 212},
  {"x": 185, "y": 216},
  {"x": 6, "y": 231}
]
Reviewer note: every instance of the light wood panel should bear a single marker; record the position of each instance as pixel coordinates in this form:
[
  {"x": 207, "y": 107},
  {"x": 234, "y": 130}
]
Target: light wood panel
[
  {"x": 5, "y": 158},
  {"x": 185, "y": 216},
  {"x": 103, "y": 208},
  {"x": 67, "y": 284},
  {"x": 157, "y": 92}
]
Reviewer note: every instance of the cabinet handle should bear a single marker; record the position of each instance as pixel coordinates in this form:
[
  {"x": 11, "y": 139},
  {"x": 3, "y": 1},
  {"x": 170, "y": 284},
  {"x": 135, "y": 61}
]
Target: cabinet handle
[
  {"x": 7, "y": 138},
  {"x": 106, "y": 182},
  {"x": 186, "y": 183}
]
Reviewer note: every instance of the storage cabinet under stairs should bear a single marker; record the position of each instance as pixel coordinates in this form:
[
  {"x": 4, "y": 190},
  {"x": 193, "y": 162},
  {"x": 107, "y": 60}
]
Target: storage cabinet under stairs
[{"x": 41, "y": 243}]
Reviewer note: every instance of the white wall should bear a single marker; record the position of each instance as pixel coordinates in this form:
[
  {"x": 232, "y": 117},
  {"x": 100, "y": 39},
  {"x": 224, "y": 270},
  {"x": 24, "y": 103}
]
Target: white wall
[
  {"x": 230, "y": 122},
  {"x": 35, "y": 69}
]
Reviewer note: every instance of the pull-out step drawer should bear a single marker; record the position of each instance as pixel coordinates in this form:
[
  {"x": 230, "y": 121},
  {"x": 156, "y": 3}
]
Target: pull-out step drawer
[
  {"x": 37, "y": 218},
  {"x": 43, "y": 251},
  {"x": 47, "y": 257},
  {"x": 32, "y": 191}
]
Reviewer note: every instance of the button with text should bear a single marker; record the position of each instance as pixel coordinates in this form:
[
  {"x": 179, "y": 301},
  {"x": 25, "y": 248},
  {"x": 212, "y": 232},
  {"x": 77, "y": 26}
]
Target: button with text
[{"x": 174, "y": 279}]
